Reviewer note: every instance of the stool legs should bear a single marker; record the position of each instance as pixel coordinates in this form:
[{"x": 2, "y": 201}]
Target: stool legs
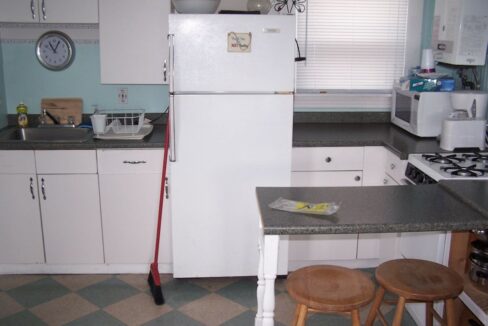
[
  {"x": 356, "y": 321},
  {"x": 380, "y": 293},
  {"x": 400, "y": 308},
  {"x": 300, "y": 315},
  {"x": 450, "y": 312},
  {"x": 429, "y": 313}
]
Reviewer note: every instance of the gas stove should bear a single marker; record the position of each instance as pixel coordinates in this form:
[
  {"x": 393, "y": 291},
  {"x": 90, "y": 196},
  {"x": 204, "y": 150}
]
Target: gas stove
[{"x": 431, "y": 168}]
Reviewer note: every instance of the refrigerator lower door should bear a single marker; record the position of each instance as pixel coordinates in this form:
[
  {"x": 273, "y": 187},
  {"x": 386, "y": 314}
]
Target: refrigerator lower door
[{"x": 226, "y": 146}]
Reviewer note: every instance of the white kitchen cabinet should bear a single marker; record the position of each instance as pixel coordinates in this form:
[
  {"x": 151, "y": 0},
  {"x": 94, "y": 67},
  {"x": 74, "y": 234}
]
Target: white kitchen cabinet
[
  {"x": 70, "y": 209},
  {"x": 376, "y": 245},
  {"x": 49, "y": 11},
  {"x": 20, "y": 221},
  {"x": 133, "y": 41},
  {"x": 324, "y": 167},
  {"x": 130, "y": 183},
  {"x": 70, "y": 206}
]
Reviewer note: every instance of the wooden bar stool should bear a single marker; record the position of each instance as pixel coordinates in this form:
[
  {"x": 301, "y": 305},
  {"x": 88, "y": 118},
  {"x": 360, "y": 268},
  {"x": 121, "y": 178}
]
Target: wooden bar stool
[
  {"x": 324, "y": 288},
  {"x": 416, "y": 280}
]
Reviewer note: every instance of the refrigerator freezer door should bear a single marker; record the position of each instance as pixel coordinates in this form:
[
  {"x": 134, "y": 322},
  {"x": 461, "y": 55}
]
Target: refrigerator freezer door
[
  {"x": 204, "y": 60},
  {"x": 226, "y": 146}
]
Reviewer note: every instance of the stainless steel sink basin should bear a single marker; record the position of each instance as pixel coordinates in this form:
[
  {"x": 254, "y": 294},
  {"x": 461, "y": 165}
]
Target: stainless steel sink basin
[{"x": 60, "y": 135}]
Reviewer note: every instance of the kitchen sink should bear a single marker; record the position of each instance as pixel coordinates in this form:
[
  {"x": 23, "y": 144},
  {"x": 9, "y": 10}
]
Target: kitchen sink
[{"x": 56, "y": 135}]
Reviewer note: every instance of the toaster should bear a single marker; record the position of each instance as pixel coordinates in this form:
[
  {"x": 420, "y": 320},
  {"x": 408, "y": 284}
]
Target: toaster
[{"x": 463, "y": 133}]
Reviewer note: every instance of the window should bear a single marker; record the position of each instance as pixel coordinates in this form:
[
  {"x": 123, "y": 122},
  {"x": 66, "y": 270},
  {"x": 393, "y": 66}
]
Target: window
[{"x": 355, "y": 50}]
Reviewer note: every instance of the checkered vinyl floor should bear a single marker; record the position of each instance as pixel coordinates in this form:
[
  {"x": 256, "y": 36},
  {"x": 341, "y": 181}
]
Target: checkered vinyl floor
[{"x": 107, "y": 300}]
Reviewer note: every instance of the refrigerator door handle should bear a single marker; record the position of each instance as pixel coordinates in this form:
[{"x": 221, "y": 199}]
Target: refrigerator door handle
[
  {"x": 171, "y": 63},
  {"x": 172, "y": 133}
]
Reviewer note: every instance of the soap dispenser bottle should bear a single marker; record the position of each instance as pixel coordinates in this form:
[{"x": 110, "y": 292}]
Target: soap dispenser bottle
[{"x": 22, "y": 119}]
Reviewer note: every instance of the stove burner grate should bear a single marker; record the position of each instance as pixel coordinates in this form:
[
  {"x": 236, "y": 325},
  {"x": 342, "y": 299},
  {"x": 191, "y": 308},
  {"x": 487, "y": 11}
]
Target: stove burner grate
[
  {"x": 477, "y": 157},
  {"x": 464, "y": 171},
  {"x": 443, "y": 159}
]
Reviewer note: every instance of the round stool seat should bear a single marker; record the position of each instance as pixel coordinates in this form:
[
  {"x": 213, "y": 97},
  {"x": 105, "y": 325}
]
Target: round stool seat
[
  {"x": 330, "y": 288},
  {"x": 419, "y": 280}
]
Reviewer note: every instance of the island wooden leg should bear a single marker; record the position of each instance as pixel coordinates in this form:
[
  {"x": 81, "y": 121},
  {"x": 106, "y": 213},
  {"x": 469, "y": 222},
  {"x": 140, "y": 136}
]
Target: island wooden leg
[
  {"x": 270, "y": 267},
  {"x": 258, "y": 321}
]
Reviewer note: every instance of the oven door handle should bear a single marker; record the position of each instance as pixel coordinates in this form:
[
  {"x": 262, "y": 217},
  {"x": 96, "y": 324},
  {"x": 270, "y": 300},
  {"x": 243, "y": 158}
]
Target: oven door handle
[{"x": 406, "y": 182}]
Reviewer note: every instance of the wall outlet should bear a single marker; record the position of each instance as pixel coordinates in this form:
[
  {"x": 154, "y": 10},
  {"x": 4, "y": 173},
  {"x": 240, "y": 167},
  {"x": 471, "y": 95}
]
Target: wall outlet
[{"x": 123, "y": 95}]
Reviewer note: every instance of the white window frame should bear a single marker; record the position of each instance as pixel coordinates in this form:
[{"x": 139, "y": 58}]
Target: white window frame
[{"x": 379, "y": 100}]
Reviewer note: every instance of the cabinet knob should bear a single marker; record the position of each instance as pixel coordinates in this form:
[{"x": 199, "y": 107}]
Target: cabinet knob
[
  {"x": 357, "y": 178},
  {"x": 328, "y": 159},
  {"x": 392, "y": 166},
  {"x": 164, "y": 71},
  {"x": 44, "y": 17},
  {"x": 385, "y": 181},
  {"x": 31, "y": 186},
  {"x": 33, "y": 10}
]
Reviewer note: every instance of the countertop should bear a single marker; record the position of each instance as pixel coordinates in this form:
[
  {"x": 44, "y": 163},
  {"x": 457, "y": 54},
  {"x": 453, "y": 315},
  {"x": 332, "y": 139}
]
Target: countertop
[
  {"x": 382, "y": 209},
  {"x": 153, "y": 140},
  {"x": 304, "y": 135}
]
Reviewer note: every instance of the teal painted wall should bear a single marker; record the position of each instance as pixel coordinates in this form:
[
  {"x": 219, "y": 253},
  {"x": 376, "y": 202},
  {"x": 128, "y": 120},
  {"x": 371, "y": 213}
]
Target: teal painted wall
[
  {"x": 3, "y": 105},
  {"x": 26, "y": 80}
]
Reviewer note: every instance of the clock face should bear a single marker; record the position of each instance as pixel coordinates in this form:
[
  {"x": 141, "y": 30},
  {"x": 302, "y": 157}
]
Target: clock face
[{"x": 55, "y": 50}]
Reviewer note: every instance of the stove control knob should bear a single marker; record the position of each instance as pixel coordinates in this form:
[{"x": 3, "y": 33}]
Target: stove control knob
[{"x": 328, "y": 159}]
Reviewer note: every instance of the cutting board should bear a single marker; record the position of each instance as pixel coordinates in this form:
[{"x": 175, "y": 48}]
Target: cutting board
[{"x": 62, "y": 108}]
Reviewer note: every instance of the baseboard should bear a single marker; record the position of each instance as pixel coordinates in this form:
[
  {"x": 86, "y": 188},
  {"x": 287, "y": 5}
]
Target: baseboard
[{"x": 82, "y": 269}]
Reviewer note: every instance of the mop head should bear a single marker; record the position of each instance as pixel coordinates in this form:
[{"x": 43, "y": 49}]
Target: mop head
[{"x": 155, "y": 286}]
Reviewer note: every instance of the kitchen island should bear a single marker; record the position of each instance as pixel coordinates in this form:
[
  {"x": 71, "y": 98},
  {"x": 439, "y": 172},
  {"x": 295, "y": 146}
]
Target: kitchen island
[{"x": 364, "y": 210}]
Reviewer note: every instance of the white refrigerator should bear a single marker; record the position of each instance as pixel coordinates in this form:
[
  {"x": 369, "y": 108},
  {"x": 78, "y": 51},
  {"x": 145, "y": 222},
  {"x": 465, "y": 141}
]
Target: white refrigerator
[{"x": 231, "y": 110}]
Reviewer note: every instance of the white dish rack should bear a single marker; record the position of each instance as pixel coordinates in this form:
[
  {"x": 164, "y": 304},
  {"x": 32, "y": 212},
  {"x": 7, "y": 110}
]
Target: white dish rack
[{"x": 123, "y": 121}]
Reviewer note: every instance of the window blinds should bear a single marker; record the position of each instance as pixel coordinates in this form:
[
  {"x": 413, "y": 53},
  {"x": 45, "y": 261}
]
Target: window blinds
[{"x": 351, "y": 44}]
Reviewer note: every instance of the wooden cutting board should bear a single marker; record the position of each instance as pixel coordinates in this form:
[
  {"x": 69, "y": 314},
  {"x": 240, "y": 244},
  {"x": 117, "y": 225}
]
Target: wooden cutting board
[{"x": 63, "y": 108}]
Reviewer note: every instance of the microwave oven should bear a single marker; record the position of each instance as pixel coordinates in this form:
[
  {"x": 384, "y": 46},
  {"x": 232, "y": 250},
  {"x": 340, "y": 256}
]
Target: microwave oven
[{"x": 420, "y": 113}]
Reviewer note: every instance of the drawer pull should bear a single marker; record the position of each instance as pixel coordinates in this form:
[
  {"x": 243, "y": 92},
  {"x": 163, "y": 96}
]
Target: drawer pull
[
  {"x": 32, "y": 188},
  {"x": 357, "y": 178},
  {"x": 328, "y": 159},
  {"x": 43, "y": 189},
  {"x": 135, "y": 162}
]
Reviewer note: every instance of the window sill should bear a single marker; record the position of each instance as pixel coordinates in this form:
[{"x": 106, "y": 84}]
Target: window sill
[{"x": 343, "y": 101}]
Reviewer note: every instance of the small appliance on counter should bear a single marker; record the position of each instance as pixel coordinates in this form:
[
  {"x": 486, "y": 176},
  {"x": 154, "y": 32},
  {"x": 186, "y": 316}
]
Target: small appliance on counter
[
  {"x": 420, "y": 113},
  {"x": 466, "y": 125}
]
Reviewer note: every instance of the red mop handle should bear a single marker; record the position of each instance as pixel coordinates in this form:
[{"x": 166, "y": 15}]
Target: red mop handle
[{"x": 161, "y": 193}]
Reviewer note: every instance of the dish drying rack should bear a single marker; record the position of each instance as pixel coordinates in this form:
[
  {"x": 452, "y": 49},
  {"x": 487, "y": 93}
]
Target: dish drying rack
[{"x": 123, "y": 121}]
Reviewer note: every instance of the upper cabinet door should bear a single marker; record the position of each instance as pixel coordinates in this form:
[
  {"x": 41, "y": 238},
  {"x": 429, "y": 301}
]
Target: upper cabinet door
[
  {"x": 19, "y": 11},
  {"x": 68, "y": 11},
  {"x": 49, "y": 11},
  {"x": 133, "y": 41}
]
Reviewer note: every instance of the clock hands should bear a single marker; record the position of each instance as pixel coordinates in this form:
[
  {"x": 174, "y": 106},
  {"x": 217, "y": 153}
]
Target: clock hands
[{"x": 54, "y": 48}]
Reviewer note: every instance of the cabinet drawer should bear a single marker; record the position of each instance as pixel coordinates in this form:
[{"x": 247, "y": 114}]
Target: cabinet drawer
[
  {"x": 66, "y": 161},
  {"x": 327, "y": 158},
  {"x": 395, "y": 167},
  {"x": 327, "y": 179},
  {"x": 130, "y": 161},
  {"x": 12, "y": 162}
]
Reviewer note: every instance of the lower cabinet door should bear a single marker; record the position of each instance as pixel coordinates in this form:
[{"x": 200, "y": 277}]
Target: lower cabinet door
[
  {"x": 130, "y": 205},
  {"x": 306, "y": 249},
  {"x": 70, "y": 208},
  {"x": 20, "y": 221}
]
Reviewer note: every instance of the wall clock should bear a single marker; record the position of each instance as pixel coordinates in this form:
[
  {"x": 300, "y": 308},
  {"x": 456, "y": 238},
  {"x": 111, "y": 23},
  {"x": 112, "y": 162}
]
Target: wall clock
[{"x": 55, "y": 50}]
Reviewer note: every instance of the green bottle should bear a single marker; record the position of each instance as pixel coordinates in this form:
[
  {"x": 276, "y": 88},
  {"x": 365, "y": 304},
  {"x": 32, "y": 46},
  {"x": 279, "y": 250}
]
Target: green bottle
[{"x": 22, "y": 119}]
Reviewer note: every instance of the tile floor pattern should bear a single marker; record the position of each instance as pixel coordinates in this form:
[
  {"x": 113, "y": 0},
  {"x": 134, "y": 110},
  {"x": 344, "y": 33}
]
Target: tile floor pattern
[{"x": 113, "y": 300}]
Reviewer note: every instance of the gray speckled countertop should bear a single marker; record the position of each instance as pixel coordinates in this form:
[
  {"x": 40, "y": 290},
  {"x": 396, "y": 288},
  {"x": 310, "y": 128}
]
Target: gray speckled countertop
[
  {"x": 153, "y": 140},
  {"x": 473, "y": 193},
  {"x": 362, "y": 134},
  {"x": 304, "y": 135},
  {"x": 370, "y": 210}
]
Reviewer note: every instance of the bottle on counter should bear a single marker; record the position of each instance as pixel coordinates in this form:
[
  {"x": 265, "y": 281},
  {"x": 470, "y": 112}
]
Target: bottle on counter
[{"x": 22, "y": 119}]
